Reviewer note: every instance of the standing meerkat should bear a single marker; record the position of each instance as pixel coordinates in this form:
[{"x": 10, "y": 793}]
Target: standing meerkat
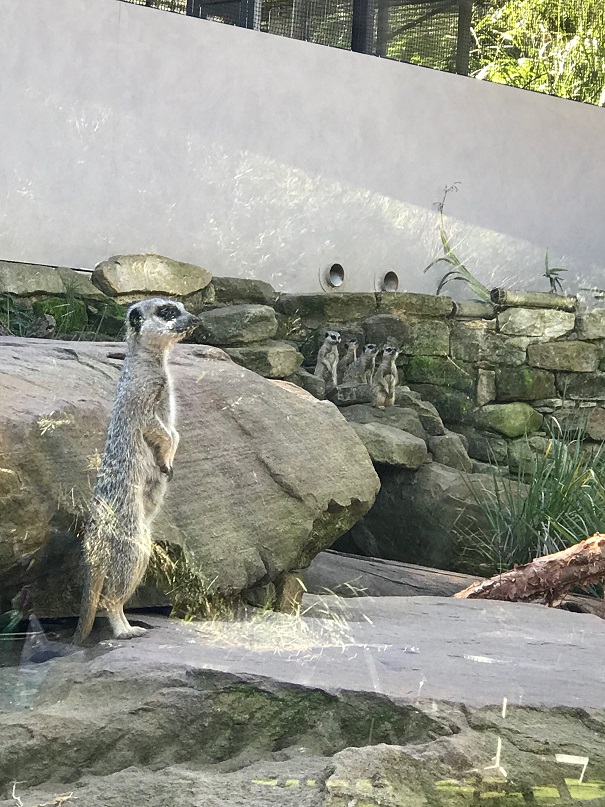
[
  {"x": 139, "y": 452},
  {"x": 361, "y": 371},
  {"x": 385, "y": 379},
  {"x": 348, "y": 358},
  {"x": 328, "y": 358}
]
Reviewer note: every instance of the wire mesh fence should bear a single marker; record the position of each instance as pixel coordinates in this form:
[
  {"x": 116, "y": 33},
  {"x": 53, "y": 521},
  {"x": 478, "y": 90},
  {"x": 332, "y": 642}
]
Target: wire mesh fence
[
  {"x": 551, "y": 46},
  {"x": 432, "y": 33}
]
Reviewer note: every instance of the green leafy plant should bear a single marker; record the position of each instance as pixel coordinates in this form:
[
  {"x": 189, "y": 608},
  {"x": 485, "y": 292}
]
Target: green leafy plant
[
  {"x": 458, "y": 270},
  {"x": 550, "y": 46},
  {"x": 552, "y": 274},
  {"x": 555, "y": 500}
]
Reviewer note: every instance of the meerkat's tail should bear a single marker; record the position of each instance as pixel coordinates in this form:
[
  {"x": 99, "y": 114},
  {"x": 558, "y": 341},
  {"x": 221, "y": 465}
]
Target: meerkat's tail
[{"x": 88, "y": 610}]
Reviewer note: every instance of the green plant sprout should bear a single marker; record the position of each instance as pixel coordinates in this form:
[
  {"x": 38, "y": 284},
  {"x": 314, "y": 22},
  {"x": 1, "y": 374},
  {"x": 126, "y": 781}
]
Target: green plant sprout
[
  {"x": 449, "y": 257},
  {"x": 552, "y": 273}
]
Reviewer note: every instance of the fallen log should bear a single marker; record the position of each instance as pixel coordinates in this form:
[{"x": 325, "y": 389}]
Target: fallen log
[
  {"x": 348, "y": 575},
  {"x": 547, "y": 580},
  {"x": 533, "y": 299}
]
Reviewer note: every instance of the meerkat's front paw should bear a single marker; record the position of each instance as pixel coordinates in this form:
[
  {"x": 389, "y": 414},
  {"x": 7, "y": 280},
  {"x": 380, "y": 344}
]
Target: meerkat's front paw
[{"x": 168, "y": 470}]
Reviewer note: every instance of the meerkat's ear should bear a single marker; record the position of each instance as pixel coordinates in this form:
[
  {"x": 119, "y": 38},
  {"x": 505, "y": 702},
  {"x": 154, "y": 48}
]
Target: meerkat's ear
[{"x": 134, "y": 319}]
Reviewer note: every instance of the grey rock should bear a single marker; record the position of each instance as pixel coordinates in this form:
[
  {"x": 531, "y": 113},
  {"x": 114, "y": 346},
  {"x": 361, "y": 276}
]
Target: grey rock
[
  {"x": 441, "y": 371},
  {"x": 149, "y": 274},
  {"x": 428, "y": 414},
  {"x": 486, "y": 448},
  {"x": 384, "y": 328},
  {"x": 309, "y": 382},
  {"x": 578, "y": 357},
  {"x": 236, "y": 324},
  {"x": 582, "y": 386},
  {"x": 417, "y": 513},
  {"x": 254, "y": 494},
  {"x": 486, "y": 387},
  {"x": 270, "y": 359},
  {"x": 388, "y": 445},
  {"x": 407, "y": 304},
  {"x": 449, "y": 450},
  {"x": 316, "y": 310},
  {"x": 522, "y": 453},
  {"x": 427, "y": 338},
  {"x": 524, "y": 384},
  {"x": 349, "y": 394},
  {"x": 591, "y": 324},
  {"x": 453, "y": 406},
  {"x": 243, "y": 290},
  {"x": 211, "y": 712},
  {"x": 595, "y": 428},
  {"x": 511, "y": 419},
  {"x": 539, "y": 322},
  {"x": 406, "y": 419}
]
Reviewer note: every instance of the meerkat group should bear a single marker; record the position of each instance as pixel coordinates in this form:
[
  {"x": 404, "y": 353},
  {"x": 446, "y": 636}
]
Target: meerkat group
[
  {"x": 137, "y": 462},
  {"x": 351, "y": 368}
]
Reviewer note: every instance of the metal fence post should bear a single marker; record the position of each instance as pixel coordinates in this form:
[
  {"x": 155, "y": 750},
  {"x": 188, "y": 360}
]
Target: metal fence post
[
  {"x": 362, "y": 29},
  {"x": 463, "y": 46}
]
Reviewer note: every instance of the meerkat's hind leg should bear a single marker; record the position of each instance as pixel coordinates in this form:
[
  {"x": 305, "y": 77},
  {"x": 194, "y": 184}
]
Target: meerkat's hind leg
[{"x": 121, "y": 627}]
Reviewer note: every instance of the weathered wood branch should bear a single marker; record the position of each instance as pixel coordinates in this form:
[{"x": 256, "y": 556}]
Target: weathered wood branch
[{"x": 548, "y": 579}]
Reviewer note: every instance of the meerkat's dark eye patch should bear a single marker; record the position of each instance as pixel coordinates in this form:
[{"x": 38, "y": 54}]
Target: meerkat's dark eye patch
[
  {"x": 135, "y": 318},
  {"x": 167, "y": 312}
]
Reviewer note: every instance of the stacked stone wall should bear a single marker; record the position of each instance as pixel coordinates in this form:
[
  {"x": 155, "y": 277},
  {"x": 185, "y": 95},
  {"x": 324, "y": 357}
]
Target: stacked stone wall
[{"x": 502, "y": 376}]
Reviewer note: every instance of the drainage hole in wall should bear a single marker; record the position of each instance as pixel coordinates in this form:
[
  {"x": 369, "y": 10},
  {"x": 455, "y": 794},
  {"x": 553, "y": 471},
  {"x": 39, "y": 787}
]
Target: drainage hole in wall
[
  {"x": 335, "y": 275},
  {"x": 390, "y": 282}
]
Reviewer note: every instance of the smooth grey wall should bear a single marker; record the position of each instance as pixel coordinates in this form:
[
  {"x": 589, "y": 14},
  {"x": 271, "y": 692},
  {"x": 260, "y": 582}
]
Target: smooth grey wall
[{"x": 126, "y": 129}]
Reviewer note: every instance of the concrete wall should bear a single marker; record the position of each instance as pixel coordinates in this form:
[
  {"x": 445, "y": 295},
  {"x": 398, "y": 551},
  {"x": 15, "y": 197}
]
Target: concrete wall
[{"x": 126, "y": 129}]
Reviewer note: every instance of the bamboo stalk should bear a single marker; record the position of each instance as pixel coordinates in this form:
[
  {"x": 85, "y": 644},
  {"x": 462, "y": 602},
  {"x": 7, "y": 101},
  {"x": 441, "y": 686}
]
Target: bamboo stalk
[{"x": 533, "y": 299}]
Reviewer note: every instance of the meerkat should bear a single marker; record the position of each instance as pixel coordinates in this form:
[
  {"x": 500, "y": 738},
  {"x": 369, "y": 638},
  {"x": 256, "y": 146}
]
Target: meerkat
[
  {"x": 385, "y": 379},
  {"x": 362, "y": 369},
  {"x": 348, "y": 358},
  {"x": 137, "y": 462},
  {"x": 328, "y": 358}
]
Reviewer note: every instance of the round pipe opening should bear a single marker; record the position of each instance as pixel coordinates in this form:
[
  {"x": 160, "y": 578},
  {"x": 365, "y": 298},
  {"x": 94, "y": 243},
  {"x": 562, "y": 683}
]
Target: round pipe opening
[
  {"x": 335, "y": 275},
  {"x": 390, "y": 282}
]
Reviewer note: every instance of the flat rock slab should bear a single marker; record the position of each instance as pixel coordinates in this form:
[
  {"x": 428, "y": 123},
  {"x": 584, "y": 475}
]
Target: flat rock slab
[{"x": 396, "y": 694}]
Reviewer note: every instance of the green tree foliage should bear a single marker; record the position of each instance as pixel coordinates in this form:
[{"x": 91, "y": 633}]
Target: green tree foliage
[{"x": 550, "y": 46}]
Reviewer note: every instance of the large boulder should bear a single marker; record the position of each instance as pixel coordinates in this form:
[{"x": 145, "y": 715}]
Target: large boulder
[
  {"x": 149, "y": 274},
  {"x": 417, "y": 513},
  {"x": 272, "y": 359},
  {"x": 265, "y": 477},
  {"x": 391, "y": 446}
]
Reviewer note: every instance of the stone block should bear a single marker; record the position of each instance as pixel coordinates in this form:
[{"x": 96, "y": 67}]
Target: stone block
[
  {"x": 315, "y": 310},
  {"x": 487, "y": 448},
  {"x": 578, "y": 357},
  {"x": 385, "y": 328},
  {"x": 24, "y": 279},
  {"x": 486, "y": 387},
  {"x": 396, "y": 416},
  {"x": 427, "y": 338},
  {"x": 234, "y": 324},
  {"x": 271, "y": 359},
  {"x": 522, "y": 453},
  {"x": 349, "y": 394},
  {"x": 582, "y": 386},
  {"x": 545, "y": 323},
  {"x": 595, "y": 428},
  {"x": 149, "y": 274},
  {"x": 591, "y": 324},
  {"x": 442, "y": 372},
  {"x": 474, "y": 309},
  {"x": 510, "y": 419},
  {"x": 428, "y": 414},
  {"x": 477, "y": 341},
  {"x": 524, "y": 384},
  {"x": 387, "y": 445},
  {"x": 243, "y": 290},
  {"x": 407, "y": 304},
  {"x": 453, "y": 406},
  {"x": 309, "y": 382},
  {"x": 448, "y": 449}
]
